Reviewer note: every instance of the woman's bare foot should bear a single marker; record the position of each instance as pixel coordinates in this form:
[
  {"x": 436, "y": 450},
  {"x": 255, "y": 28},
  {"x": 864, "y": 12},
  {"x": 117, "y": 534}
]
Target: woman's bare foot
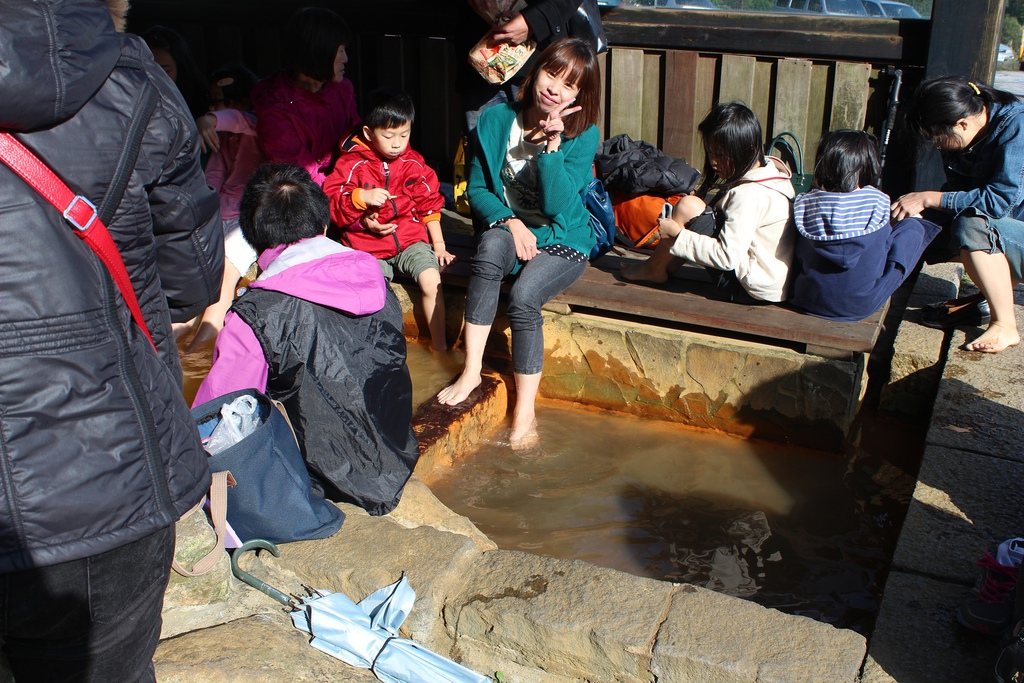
[
  {"x": 643, "y": 272},
  {"x": 525, "y": 441},
  {"x": 996, "y": 338},
  {"x": 460, "y": 389},
  {"x": 523, "y": 434}
]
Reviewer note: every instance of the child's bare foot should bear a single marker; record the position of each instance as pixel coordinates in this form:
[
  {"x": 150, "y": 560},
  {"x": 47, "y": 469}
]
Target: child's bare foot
[
  {"x": 996, "y": 338},
  {"x": 181, "y": 330},
  {"x": 438, "y": 348},
  {"x": 206, "y": 336},
  {"x": 643, "y": 272},
  {"x": 459, "y": 391}
]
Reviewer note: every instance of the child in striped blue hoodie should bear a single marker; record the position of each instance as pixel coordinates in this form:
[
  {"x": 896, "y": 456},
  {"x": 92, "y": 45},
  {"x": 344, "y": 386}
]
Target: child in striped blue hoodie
[{"x": 849, "y": 259}]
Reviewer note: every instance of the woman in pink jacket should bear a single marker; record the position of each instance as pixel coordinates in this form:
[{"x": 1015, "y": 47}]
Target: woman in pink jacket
[{"x": 304, "y": 111}]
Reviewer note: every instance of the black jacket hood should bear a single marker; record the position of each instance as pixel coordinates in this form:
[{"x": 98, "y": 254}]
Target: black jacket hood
[{"x": 54, "y": 56}]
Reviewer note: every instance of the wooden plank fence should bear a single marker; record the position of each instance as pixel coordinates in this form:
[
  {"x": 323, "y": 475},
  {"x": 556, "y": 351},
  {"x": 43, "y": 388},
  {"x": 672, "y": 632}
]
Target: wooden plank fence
[{"x": 661, "y": 95}]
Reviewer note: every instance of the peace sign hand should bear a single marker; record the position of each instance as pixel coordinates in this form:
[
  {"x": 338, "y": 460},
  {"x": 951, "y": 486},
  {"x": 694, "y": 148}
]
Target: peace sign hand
[{"x": 553, "y": 125}]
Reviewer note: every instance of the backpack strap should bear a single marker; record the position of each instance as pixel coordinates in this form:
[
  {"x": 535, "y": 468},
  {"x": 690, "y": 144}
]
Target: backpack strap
[{"x": 89, "y": 221}]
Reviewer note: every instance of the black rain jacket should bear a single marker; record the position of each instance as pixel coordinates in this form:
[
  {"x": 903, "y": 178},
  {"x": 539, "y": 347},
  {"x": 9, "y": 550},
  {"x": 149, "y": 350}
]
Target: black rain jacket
[{"x": 97, "y": 446}]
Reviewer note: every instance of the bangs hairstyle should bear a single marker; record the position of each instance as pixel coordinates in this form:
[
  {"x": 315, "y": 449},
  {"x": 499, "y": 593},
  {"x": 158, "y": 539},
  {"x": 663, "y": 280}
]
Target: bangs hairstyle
[
  {"x": 732, "y": 135},
  {"x": 389, "y": 108},
  {"x": 578, "y": 58},
  {"x": 940, "y": 102},
  {"x": 235, "y": 82},
  {"x": 311, "y": 40},
  {"x": 281, "y": 204},
  {"x": 846, "y": 160}
]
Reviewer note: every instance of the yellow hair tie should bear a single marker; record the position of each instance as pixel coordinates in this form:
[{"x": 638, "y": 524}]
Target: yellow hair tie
[{"x": 974, "y": 87}]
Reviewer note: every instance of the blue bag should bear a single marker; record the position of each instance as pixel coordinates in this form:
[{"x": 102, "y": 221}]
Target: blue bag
[
  {"x": 272, "y": 498},
  {"x": 602, "y": 217}
]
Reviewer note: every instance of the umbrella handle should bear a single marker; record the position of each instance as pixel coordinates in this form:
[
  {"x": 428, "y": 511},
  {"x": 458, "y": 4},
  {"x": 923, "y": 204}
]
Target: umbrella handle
[{"x": 257, "y": 544}]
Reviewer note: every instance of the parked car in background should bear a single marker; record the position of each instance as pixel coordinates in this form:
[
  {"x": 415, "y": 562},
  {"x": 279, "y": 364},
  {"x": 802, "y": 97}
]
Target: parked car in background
[
  {"x": 888, "y": 8},
  {"x": 1005, "y": 54},
  {"x": 836, "y": 7},
  {"x": 675, "y": 4}
]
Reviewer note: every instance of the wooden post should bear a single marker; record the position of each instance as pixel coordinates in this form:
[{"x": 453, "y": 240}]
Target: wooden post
[{"x": 964, "y": 38}]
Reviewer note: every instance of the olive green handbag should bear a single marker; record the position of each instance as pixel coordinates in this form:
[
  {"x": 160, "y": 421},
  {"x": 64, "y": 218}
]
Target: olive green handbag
[{"x": 786, "y": 142}]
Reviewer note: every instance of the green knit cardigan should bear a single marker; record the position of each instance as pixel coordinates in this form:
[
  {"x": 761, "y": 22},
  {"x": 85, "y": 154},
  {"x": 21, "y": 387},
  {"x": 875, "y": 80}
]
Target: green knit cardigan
[{"x": 562, "y": 177}]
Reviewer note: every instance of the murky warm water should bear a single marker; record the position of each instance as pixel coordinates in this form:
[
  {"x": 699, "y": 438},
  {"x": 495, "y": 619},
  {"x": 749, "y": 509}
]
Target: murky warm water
[
  {"x": 786, "y": 528},
  {"x": 804, "y": 532}
]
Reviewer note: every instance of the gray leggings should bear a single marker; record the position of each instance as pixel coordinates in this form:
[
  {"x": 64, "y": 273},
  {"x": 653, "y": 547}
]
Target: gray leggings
[{"x": 539, "y": 280}]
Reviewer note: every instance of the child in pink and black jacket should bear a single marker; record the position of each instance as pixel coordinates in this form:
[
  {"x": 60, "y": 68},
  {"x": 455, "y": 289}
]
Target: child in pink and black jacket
[
  {"x": 385, "y": 200},
  {"x": 320, "y": 331}
]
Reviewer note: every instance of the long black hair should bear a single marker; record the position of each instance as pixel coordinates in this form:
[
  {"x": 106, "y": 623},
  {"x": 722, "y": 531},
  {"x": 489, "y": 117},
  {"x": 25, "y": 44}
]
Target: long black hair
[
  {"x": 191, "y": 81},
  {"x": 940, "y": 102},
  {"x": 732, "y": 135},
  {"x": 311, "y": 40},
  {"x": 846, "y": 160}
]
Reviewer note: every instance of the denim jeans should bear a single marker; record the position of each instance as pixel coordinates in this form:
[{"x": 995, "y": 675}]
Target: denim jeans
[
  {"x": 96, "y": 619},
  {"x": 977, "y": 232},
  {"x": 539, "y": 280}
]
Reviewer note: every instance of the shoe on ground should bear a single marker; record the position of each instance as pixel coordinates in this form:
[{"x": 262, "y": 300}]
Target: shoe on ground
[
  {"x": 942, "y": 317},
  {"x": 953, "y": 303},
  {"x": 991, "y": 610}
]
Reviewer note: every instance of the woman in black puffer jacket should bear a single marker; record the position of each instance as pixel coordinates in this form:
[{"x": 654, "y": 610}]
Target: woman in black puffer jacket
[{"x": 98, "y": 453}]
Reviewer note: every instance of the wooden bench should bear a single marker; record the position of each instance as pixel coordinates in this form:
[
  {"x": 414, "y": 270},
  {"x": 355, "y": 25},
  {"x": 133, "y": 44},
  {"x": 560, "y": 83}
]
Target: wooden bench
[{"x": 697, "y": 305}]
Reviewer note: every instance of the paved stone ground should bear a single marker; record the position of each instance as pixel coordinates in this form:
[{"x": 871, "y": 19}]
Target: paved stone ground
[
  {"x": 967, "y": 501},
  {"x": 1010, "y": 81}
]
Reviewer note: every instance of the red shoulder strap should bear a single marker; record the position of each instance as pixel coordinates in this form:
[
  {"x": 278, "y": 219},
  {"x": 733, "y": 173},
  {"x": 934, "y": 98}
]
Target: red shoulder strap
[{"x": 79, "y": 212}]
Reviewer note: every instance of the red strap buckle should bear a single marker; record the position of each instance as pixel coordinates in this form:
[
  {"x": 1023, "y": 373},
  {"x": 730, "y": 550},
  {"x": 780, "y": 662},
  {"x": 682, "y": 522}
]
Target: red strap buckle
[{"x": 80, "y": 213}]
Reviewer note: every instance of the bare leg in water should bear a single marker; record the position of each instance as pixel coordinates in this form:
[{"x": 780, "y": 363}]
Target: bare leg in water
[
  {"x": 474, "y": 339},
  {"x": 524, "y": 416},
  {"x": 991, "y": 273},
  {"x": 212, "y": 321}
]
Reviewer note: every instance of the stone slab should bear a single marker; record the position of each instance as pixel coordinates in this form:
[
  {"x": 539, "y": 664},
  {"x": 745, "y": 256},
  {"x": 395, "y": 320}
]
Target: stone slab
[
  {"x": 712, "y": 637},
  {"x": 565, "y": 619},
  {"x": 964, "y": 505},
  {"x": 918, "y": 640},
  {"x": 915, "y": 369},
  {"x": 980, "y": 405},
  {"x": 261, "y": 649},
  {"x": 372, "y": 552},
  {"x": 936, "y": 282},
  {"x": 420, "y": 507}
]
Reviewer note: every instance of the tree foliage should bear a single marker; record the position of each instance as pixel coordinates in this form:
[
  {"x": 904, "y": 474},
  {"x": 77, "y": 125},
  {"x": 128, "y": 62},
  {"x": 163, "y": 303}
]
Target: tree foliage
[
  {"x": 1015, "y": 9},
  {"x": 1010, "y": 34}
]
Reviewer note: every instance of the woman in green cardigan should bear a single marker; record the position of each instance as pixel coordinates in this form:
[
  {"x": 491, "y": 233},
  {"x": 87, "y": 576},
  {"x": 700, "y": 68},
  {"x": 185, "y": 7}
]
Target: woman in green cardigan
[{"x": 533, "y": 158}]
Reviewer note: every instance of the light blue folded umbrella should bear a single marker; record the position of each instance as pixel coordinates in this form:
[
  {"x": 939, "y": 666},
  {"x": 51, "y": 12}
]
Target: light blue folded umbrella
[{"x": 365, "y": 635}]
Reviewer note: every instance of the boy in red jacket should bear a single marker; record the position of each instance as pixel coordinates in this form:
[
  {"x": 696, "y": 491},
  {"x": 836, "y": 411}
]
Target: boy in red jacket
[{"x": 386, "y": 202}]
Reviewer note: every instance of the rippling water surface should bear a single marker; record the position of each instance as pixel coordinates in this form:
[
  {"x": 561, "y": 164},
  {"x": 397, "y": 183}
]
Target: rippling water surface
[
  {"x": 805, "y": 532},
  {"x": 808, "y": 533}
]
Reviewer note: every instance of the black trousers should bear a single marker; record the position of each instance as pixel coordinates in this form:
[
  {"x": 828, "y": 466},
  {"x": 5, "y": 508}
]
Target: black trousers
[
  {"x": 709, "y": 224},
  {"x": 96, "y": 619}
]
